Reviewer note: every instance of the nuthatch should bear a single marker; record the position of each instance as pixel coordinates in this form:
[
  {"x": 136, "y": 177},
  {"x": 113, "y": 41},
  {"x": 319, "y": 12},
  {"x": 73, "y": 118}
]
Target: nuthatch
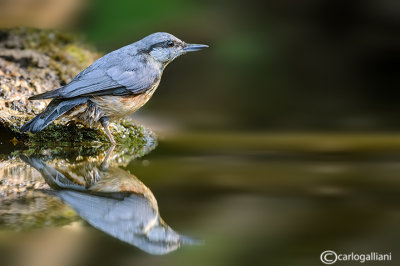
[
  {"x": 114, "y": 201},
  {"x": 114, "y": 86}
]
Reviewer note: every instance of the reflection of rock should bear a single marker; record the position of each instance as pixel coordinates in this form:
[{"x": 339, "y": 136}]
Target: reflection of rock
[
  {"x": 35, "y": 61},
  {"x": 34, "y": 210},
  {"x": 115, "y": 202},
  {"x": 17, "y": 179}
]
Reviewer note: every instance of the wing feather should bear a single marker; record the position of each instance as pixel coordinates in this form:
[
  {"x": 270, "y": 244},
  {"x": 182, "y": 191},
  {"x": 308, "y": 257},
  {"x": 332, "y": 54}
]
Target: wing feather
[{"x": 117, "y": 79}]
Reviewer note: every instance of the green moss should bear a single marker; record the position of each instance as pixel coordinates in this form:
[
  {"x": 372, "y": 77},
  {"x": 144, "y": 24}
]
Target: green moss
[
  {"x": 77, "y": 53},
  {"x": 71, "y": 134},
  {"x": 74, "y": 140}
]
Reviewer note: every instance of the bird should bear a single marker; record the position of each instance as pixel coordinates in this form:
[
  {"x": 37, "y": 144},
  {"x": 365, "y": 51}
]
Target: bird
[
  {"x": 114, "y": 86},
  {"x": 112, "y": 200}
]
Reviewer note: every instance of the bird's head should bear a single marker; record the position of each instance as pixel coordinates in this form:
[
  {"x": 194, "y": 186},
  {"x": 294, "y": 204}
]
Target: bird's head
[{"x": 165, "y": 47}]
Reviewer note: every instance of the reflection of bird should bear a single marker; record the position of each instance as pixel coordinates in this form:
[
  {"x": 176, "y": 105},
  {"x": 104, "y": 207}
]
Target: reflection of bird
[
  {"x": 115, "y": 202},
  {"x": 114, "y": 86}
]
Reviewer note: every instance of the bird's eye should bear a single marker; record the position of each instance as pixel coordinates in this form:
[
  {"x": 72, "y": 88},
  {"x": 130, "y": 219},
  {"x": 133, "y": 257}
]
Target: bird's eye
[{"x": 170, "y": 43}]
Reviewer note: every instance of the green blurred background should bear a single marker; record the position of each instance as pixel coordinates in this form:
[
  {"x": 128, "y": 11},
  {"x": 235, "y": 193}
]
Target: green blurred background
[
  {"x": 271, "y": 66},
  {"x": 231, "y": 177}
]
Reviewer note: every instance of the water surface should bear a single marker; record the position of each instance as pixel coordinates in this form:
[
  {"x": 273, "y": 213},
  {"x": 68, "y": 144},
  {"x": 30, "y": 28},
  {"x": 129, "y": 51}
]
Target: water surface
[{"x": 211, "y": 199}]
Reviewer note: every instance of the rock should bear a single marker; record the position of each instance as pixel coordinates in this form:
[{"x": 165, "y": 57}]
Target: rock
[{"x": 33, "y": 61}]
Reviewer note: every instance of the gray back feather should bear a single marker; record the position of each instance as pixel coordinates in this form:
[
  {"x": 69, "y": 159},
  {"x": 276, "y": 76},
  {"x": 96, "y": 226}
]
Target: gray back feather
[{"x": 128, "y": 70}]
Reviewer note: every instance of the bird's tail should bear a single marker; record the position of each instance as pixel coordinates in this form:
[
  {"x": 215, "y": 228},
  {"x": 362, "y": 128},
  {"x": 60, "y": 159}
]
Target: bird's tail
[
  {"x": 55, "y": 109},
  {"x": 46, "y": 95}
]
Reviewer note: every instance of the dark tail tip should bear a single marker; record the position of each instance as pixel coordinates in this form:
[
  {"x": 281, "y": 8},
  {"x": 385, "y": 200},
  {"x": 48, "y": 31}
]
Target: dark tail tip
[
  {"x": 25, "y": 127},
  {"x": 34, "y": 126}
]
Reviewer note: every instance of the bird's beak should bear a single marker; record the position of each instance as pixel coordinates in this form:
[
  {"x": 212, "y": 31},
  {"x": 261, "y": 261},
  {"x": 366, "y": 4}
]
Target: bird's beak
[{"x": 193, "y": 47}]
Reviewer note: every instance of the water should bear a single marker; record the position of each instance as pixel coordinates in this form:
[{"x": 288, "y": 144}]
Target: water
[{"x": 209, "y": 199}]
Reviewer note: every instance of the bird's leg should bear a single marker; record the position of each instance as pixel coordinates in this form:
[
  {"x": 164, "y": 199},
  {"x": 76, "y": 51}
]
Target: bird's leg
[
  {"x": 104, "y": 164},
  {"x": 105, "y": 122}
]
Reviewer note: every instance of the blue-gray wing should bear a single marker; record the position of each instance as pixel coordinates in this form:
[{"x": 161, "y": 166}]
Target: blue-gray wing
[{"x": 118, "y": 79}]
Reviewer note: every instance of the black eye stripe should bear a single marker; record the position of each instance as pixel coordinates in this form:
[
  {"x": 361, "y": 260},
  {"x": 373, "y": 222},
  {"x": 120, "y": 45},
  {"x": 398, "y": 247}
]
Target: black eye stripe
[
  {"x": 156, "y": 45},
  {"x": 164, "y": 44}
]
